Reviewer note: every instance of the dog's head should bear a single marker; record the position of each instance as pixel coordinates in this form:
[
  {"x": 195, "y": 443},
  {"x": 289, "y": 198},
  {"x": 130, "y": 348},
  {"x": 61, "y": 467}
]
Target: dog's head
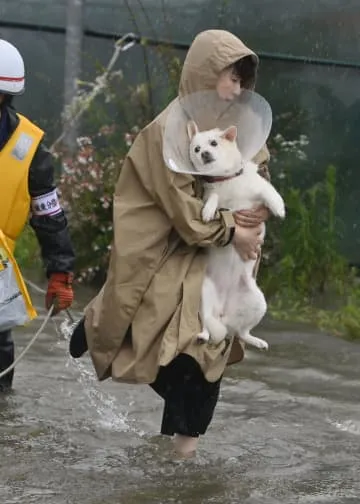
[{"x": 214, "y": 150}]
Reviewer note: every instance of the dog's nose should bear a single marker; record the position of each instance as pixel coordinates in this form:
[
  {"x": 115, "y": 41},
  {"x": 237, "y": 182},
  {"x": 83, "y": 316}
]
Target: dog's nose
[{"x": 206, "y": 156}]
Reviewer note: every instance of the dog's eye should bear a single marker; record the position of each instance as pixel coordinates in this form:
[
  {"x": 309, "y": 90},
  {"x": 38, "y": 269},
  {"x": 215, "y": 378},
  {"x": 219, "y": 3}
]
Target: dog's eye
[
  {"x": 197, "y": 149},
  {"x": 213, "y": 143}
]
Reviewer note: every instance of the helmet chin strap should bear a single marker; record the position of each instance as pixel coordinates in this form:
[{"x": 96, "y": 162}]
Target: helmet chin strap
[{"x": 7, "y": 100}]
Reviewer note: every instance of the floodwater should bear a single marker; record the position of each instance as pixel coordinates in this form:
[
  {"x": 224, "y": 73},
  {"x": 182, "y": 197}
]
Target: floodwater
[{"x": 286, "y": 430}]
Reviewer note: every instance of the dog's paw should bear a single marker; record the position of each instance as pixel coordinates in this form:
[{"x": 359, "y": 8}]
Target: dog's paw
[
  {"x": 261, "y": 344},
  {"x": 280, "y": 211},
  {"x": 255, "y": 342},
  {"x": 203, "y": 336},
  {"x": 278, "y": 208},
  {"x": 208, "y": 213},
  {"x": 210, "y": 207}
]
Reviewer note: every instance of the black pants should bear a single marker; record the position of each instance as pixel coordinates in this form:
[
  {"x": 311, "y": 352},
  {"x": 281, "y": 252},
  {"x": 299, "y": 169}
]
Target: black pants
[
  {"x": 6, "y": 359},
  {"x": 189, "y": 398}
]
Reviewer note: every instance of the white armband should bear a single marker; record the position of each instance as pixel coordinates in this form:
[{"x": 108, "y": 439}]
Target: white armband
[{"x": 46, "y": 204}]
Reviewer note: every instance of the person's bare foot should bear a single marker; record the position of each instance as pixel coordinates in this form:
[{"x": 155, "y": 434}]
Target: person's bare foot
[{"x": 185, "y": 446}]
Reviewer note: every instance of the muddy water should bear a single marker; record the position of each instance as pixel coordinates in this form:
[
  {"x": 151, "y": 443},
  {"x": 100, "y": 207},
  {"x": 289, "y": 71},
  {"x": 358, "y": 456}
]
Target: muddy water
[{"x": 287, "y": 430}]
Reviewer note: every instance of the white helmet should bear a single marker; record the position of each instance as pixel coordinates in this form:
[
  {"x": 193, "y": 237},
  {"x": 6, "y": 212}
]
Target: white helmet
[{"x": 12, "y": 69}]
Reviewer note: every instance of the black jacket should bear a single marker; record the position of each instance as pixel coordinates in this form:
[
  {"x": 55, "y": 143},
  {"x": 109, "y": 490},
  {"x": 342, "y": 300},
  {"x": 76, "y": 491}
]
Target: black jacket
[{"x": 51, "y": 231}]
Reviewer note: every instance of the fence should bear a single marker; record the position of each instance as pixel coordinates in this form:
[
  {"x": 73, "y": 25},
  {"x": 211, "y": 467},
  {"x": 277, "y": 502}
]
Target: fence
[{"x": 309, "y": 63}]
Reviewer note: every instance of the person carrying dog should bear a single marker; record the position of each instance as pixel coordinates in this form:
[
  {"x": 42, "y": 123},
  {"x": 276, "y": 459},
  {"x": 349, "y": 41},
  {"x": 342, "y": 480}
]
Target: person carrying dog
[
  {"x": 142, "y": 325},
  {"x": 27, "y": 186}
]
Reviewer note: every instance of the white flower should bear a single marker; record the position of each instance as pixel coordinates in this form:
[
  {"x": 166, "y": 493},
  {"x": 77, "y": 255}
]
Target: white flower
[
  {"x": 81, "y": 160},
  {"x": 67, "y": 169},
  {"x": 304, "y": 140},
  {"x": 81, "y": 141}
]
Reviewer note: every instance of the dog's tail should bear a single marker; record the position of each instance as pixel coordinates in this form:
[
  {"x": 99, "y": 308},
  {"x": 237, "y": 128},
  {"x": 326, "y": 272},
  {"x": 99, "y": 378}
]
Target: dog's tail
[{"x": 216, "y": 328}]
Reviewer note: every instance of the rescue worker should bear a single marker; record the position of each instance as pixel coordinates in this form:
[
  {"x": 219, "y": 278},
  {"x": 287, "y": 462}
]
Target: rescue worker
[{"x": 27, "y": 187}]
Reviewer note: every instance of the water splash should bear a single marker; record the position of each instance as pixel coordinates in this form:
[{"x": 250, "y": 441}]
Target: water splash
[
  {"x": 102, "y": 402},
  {"x": 350, "y": 426}
]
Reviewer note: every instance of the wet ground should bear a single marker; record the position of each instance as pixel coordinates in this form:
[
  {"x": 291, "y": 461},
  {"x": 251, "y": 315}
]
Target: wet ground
[{"x": 286, "y": 430}]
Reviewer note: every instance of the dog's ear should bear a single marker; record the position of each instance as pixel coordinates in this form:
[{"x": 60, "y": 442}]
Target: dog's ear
[
  {"x": 192, "y": 129},
  {"x": 230, "y": 133}
]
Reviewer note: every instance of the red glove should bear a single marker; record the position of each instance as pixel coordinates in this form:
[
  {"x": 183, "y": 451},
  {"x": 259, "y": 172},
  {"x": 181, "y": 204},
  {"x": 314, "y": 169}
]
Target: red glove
[{"x": 59, "y": 292}]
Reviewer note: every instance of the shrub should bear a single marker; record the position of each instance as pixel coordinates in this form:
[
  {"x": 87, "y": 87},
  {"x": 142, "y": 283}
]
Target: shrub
[{"x": 86, "y": 188}]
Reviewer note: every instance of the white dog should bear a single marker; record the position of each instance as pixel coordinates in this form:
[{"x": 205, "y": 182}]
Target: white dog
[{"x": 232, "y": 303}]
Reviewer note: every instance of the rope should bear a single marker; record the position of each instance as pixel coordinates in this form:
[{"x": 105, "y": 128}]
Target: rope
[
  {"x": 30, "y": 344},
  {"x": 38, "y": 332},
  {"x": 38, "y": 289}
]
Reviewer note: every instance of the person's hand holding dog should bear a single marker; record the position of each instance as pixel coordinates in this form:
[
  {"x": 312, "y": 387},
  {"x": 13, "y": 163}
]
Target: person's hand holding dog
[
  {"x": 247, "y": 237},
  {"x": 252, "y": 218}
]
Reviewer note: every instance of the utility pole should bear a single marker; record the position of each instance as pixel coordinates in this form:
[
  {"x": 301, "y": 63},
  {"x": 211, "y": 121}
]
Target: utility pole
[{"x": 73, "y": 53}]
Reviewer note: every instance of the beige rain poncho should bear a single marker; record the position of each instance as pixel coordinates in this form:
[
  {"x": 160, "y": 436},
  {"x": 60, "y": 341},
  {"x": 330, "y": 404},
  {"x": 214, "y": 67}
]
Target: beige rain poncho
[{"x": 158, "y": 255}]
